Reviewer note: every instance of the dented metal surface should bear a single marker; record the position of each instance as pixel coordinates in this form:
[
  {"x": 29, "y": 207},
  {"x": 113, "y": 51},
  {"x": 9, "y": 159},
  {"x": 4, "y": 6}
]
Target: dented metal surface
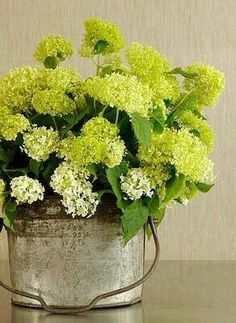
[{"x": 70, "y": 261}]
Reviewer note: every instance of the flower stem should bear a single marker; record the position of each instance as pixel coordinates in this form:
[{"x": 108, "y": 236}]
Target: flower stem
[
  {"x": 55, "y": 123},
  {"x": 117, "y": 116},
  {"x": 102, "y": 112}
]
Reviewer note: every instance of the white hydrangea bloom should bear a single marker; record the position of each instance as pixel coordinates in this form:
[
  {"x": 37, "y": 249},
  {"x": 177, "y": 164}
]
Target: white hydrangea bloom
[
  {"x": 136, "y": 184},
  {"x": 26, "y": 190},
  {"x": 71, "y": 182},
  {"x": 40, "y": 142}
]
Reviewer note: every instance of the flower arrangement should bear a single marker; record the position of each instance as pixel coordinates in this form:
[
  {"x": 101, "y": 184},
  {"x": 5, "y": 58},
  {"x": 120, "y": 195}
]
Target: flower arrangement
[{"x": 135, "y": 129}]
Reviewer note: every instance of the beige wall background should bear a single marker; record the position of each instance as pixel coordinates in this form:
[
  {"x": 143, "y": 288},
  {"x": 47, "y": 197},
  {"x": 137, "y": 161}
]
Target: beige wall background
[{"x": 185, "y": 31}]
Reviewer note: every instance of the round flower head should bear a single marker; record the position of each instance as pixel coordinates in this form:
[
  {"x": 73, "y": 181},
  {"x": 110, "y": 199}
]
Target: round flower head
[
  {"x": 150, "y": 67},
  {"x": 70, "y": 181},
  {"x": 82, "y": 150},
  {"x": 18, "y": 86},
  {"x": 11, "y": 125},
  {"x": 99, "y": 143},
  {"x": 207, "y": 85},
  {"x": 200, "y": 126},
  {"x": 26, "y": 190},
  {"x": 135, "y": 184},
  {"x": 190, "y": 158},
  {"x": 106, "y": 133},
  {"x": 181, "y": 149},
  {"x": 146, "y": 62},
  {"x": 97, "y": 30},
  {"x": 53, "y": 102},
  {"x": 100, "y": 128},
  {"x": 40, "y": 142},
  {"x": 122, "y": 91},
  {"x": 65, "y": 79},
  {"x": 66, "y": 175},
  {"x": 2, "y": 189},
  {"x": 53, "y": 46}
]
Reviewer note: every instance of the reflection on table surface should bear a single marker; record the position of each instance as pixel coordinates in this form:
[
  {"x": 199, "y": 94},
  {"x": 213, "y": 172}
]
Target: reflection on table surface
[
  {"x": 132, "y": 313},
  {"x": 178, "y": 292}
]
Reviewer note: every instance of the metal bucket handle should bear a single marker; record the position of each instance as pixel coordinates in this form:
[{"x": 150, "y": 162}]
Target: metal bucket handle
[{"x": 85, "y": 308}]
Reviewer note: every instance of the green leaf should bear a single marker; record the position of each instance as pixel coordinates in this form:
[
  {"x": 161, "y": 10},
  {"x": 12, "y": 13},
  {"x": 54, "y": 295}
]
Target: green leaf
[
  {"x": 158, "y": 120},
  {"x": 113, "y": 176},
  {"x": 93, "y": 169},
  {"x": 73, "y": 118},
  {"x": 50, "y": 62},
  {"x": 100, "y": 46},
  {"x": 60, "y": 56},
  {"x": 180, "y": 71},
  {"x": 199, "y": 115},
  {"x": 195, "y": 132},
  {"x": 133, "y": 219},
  {"x": 156, "y": 210},
  {"x": 9, "y": 214},
  {"x": 174, "y": 187},
  {"x": 202, "y": 187},
  {"x": 142, "y": 129},
  {"x": 3, "y": 155},
  {"x": 106, "y": 70},
  {"x": 35, "y": 167},
  {"x": 49, "y": 168}
]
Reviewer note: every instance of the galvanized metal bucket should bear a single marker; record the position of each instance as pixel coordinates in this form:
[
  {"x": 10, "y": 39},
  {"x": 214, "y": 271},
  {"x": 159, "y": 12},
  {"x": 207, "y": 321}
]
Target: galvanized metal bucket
[{"x": 69, "y": 261}]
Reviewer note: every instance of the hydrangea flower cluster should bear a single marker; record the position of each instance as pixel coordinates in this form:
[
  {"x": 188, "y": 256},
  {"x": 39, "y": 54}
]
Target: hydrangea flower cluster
[
  {"x": 26, "y": 190},
  {"x": 135, "y": 184},
  {"x": 181, "y": 149},
  {"x": 135, "y": 129},
  {"x": 203, "y": 129},
  {"x": 71, "y": 182},
  {"x": 151, "y": 67},
  {"x": 99, "y": 143},
  {"x": 99, "y": 30},
  {"x": 208, "y": 84},
  {"x": 122, "y": 91},
  {"x": 40, "y": 142},
  {"x": 17, "y": 87},
  {"x": 11, "y": 124},
  {"x": 53, "y": 46}
]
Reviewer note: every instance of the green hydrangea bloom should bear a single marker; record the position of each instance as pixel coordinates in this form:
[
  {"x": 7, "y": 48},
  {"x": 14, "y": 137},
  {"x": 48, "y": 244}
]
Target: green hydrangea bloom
[
  {"x": 99, "y": 143},
  {"x": 53, "y": 102},
  {"x": 205, "y": 132},
  {"x": 150, "y": 67},
  {"x": 146, "y": 62},
  {"x": 181, "y": 149},
  {"x": 2, "y": 189},
  {"x": 40, "y": 142},
  {"x": 96, "y": 30},
  {"x": 122, "y": 91},
  {"x": 17, "y": 87},
  {"x": 53, "y": 46},
  {"x": 207, "y": 86},
  {"x": 100, "y": 128},
  {"x": 66, "y": 79},
  {"x": 82, "y": 150},
  {"x": 11, "y": 125}
]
